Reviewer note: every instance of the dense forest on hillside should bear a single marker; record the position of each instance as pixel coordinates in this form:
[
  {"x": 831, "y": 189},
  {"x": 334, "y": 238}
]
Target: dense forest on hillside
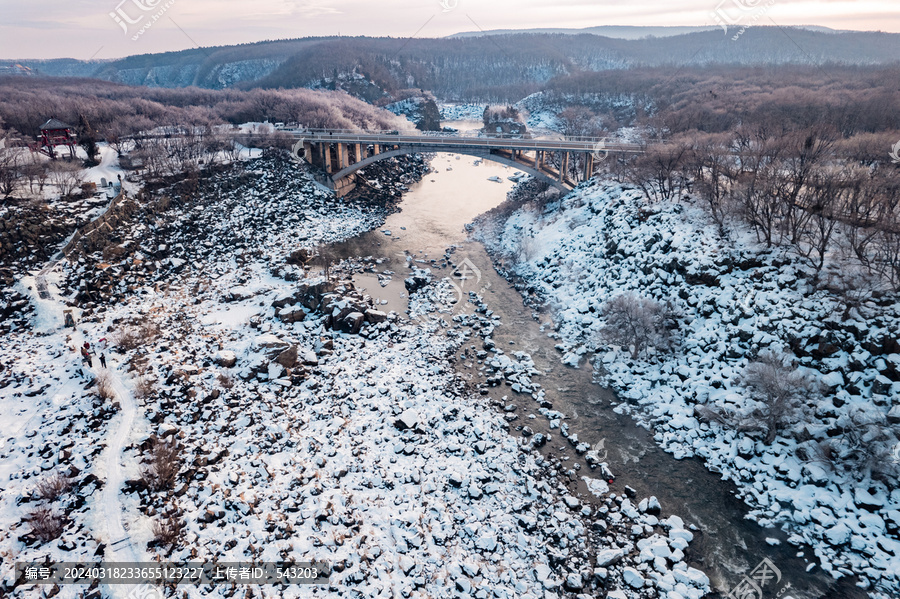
[
  {"x": 495, "y": 68},
  {"x": 713, "y": 99},
  {"x": 116, "y": 110}
]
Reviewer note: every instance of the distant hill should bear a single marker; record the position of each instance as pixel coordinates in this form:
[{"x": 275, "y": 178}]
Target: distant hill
[
  {"x": 496, "y": 67},
  {"x": 624, "y": 32}
]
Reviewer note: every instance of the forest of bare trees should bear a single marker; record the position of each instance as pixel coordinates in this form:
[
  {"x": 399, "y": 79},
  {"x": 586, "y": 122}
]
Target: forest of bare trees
[
  {"x": 188, "y": 126},
  {"x": 801, "y": 154},
  {"x": 807, "y": 189},
  {"x": 117, "y": 111}
]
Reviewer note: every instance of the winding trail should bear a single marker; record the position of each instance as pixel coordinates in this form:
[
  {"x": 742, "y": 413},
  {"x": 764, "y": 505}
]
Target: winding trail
[
  {"x": 110, "y": 517},
  {"x": 120, "y": 546}
]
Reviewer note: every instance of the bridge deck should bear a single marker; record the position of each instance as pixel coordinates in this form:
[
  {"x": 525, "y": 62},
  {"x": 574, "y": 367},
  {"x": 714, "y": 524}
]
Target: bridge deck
[{"x": 450, "y": 141}]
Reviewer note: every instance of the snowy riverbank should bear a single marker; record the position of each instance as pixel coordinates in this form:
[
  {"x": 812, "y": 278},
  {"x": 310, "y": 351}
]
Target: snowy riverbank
[
  {"x": 735, "y": 299},
  {"x": 309, "y": 423}
]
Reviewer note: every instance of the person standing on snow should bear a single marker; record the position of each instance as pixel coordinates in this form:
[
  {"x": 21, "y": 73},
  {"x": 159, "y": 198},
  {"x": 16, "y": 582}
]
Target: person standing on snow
[
  {"x": 86, "y": 355},
  {"x": 103, "y": 360}
]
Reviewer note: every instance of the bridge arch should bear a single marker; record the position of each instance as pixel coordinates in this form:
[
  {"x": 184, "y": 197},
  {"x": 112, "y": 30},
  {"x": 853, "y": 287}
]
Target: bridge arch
[
  {"x": 485, "y": 153},
  {"x": 478, "y": 153}
]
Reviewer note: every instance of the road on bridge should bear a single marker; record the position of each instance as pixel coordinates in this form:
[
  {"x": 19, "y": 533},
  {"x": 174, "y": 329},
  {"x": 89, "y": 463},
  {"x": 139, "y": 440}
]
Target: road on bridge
[{"x": 570, "y": 144}]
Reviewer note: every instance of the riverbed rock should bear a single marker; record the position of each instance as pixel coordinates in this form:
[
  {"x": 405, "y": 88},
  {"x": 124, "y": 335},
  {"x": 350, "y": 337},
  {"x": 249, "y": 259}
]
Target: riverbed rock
[
  {"x": 419, "y": 279},
  {"x": 633, "y": 578}
]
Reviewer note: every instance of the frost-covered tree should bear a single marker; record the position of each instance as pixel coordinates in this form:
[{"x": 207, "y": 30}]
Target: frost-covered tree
[
  {"x": 864, "y": 447},
  {"x": 780, "y": 391},
  {"x": 638, "y": 322}
]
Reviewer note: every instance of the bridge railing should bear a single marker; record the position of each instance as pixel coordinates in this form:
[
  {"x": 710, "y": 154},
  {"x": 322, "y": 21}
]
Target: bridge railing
[
  {"x": 364, "y": 134},
  {"x": 510, "y": 142}
]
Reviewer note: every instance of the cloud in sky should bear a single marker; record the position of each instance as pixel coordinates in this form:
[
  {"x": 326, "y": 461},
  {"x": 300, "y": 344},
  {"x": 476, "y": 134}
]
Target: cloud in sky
[{"x": 82, "y": 28}]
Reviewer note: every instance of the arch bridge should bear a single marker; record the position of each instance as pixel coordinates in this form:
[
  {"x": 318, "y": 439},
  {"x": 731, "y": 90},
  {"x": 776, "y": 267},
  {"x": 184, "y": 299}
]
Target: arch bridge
[{"x": 342, "y": 153}]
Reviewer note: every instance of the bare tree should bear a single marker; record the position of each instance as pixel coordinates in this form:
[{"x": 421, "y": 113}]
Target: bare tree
[
  {"x": 164, "y": 464},
  {"x": 822, "y": 205},
  {"x": 758, "y": 185},
  {"x": 803, "y": 151},
  {"x": 167, "y": 529},
  {"x": 104, "y": 386},
  {"x": 66, "y": 176},
  {"x": 136, "y": 335},
  {"x": 711, "y": 161},
  {"x": 580, "y": 121},
  {"x": 144, "y": 386},
  {"x": 46, "y": 523},
  {"x": 780, "y": 390},
  {"x": 660, "y": 171},
  {"x": 53, "y": 487},
  {"x": 851, "y": 289},
  {"x": 885, "y": 251},
  {"x": 863, "y": 448},
  {"x": 638, "y": 322},
  {"x": 10, "y": 170}
]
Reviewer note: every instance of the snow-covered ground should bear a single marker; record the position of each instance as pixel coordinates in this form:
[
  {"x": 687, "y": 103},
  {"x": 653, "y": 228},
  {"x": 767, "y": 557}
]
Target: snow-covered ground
[
  {"x": 735, "y": 299},
  {"x": 461, "y": 112},
  {"x": 541, "y": 116},
  {"x": 297, "y": 441}
]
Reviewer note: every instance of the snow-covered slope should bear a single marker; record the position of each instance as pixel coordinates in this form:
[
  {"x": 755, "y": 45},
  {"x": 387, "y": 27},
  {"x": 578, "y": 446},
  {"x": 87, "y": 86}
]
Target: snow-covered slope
[
  {"x": 735, "y": 299},
  {"x": 309, "y": 424}
]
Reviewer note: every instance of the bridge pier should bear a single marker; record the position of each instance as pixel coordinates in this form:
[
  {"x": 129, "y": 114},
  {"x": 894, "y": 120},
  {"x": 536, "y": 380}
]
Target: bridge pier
[
  {"x": 343, "y": 186},
  {"x": 326, "y": 157},
  {"x": 563, "y": 166},
  {"x": 588, "y": 165}
]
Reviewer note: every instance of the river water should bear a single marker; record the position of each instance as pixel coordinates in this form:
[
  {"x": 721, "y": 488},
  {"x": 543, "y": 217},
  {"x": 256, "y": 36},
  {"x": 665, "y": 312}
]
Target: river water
[{"x": 726, "y": 545}]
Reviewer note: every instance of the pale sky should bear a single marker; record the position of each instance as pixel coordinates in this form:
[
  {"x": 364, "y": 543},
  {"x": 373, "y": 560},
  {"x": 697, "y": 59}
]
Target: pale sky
[{"x": 85, "y": 29}]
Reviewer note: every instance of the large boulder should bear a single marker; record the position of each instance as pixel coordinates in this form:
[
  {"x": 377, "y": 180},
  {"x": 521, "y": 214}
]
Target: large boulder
[
  {"x": 288, "y": 358},
  {"x": 225, "y": 359},
  {"x": 375, "y": 316},
  {"x": 310, "y": 296},
  {"x": 292, "y": 314},
  {"x": 270, "y": 345},
  {"x": 350, "y": 323},
  {"x": 419, "y": 279}
]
